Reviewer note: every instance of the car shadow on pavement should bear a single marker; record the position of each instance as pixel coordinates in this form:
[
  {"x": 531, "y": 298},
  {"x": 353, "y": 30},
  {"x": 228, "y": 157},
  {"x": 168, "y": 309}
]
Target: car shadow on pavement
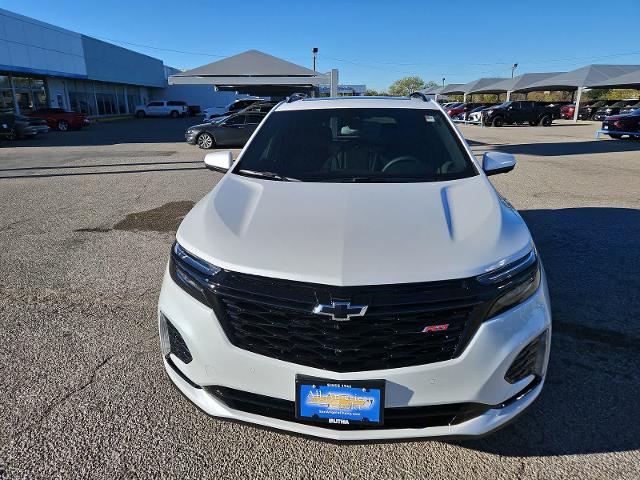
[
  {"x": 121, "y": 131},
  {"x": 590, "y": 401},
  {"x": 553, "y": 149}
]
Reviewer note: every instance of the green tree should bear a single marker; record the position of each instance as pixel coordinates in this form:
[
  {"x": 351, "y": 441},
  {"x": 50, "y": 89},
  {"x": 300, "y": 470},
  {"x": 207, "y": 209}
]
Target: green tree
[
  {"x": 408, "y": 85},
  {"x": 371, "y": 93}
]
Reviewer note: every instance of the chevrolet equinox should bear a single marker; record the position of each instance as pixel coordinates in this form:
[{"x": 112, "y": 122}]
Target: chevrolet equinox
[{"x": 354, "y": 275}]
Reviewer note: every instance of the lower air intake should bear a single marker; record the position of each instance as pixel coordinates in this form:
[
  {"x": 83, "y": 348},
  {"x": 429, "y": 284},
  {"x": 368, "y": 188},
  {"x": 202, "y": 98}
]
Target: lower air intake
[
  {"x": 529, "y": 361},
  {"x": 177, "y": 344}
]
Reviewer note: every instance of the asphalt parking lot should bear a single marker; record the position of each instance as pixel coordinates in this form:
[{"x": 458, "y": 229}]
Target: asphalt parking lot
[{"x": 86, "y": 222}]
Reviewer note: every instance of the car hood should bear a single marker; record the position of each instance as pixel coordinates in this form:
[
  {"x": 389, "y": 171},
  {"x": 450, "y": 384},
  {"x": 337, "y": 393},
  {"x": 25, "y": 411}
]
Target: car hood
[{"x": 348, "y": 234}]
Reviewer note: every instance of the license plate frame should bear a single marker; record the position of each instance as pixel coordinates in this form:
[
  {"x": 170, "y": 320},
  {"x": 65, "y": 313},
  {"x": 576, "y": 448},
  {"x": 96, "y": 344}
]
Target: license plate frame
[{"x": 360, "y": 414}]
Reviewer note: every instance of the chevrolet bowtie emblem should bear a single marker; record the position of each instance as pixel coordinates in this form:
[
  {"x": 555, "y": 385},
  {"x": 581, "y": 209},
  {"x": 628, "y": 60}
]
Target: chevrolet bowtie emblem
[{"x": 340, "y": 311}]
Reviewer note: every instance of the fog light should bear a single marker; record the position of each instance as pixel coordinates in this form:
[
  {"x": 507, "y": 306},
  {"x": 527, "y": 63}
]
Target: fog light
[{"x": 530, "y": 361}]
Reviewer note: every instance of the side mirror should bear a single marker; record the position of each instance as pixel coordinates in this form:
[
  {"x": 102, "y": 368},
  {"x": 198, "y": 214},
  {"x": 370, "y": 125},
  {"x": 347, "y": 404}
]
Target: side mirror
[
  {"x": 218, "y": 161},
  {"x": 494, "y": 163}
]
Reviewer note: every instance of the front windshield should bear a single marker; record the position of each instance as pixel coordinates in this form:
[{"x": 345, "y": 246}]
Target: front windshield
[{"x": 357, "y": 145}]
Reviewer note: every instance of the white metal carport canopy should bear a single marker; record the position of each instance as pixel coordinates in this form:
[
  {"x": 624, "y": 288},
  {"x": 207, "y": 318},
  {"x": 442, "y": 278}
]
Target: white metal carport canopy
[
  {"x": 509, "y": 85},
  {"x": 596, "y": 76},
  {"x": 257, "y": 73}
]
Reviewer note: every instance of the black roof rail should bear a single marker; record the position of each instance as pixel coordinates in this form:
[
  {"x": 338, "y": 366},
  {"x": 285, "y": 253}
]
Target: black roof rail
[
  {"x": 294, "y": 97},
  {"x": 419, "y": 95}
]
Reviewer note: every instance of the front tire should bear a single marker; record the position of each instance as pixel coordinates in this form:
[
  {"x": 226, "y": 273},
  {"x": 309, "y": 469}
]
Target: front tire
[
  {"x": 174, "y": 114},
  {"x": 545, "y": 121},
  {"x": 63, "y": 125},
  {"x": 140, "y": 114},
  {"x": 497, "y": 122},
  {"x": 205, "y": 141},
  {"x": 12, "y": 135}
]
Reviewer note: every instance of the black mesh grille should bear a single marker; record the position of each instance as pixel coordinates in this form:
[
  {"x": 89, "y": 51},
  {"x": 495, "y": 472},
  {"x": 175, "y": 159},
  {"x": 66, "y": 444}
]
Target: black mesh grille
[
  {"x": 526, "y": 362},
  {"x": 404, "y": 417},
  {"x": 274, "y": 318},
  {"x": 177, "y": 344}
]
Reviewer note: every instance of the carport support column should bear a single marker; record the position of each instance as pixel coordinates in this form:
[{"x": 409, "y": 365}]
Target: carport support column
[
  {"x": 464, "y": 97},
  {"x": 333, "y": 85},
  {"x": 575, "y": 110},
  {"x": 508, "y": 95}
]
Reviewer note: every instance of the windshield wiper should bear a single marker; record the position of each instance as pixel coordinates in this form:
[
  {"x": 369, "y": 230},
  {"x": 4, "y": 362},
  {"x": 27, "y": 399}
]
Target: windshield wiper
[{"x": 269, "y": 175}]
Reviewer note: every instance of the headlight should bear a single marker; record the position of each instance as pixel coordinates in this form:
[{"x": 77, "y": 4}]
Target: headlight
[
  {"x": 190, "y": 132},
  {"x": 609, "y": 110},
  {"x": 488, "y": 112},
  {"x": 514, "y": 283},
  {"x": 194, "y": 275}
]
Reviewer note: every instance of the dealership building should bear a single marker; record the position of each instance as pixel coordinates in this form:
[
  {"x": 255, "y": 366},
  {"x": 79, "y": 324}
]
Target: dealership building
[{"x": 42, "y": 65}]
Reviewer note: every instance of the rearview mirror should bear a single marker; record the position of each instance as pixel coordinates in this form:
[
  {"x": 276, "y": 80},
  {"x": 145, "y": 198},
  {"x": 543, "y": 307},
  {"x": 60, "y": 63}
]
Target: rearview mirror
[
  {"x": 218, "y": 161},
  {"x": 494, "y": 163}
]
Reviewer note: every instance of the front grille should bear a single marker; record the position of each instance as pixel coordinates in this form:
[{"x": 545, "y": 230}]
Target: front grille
[
  {"x": 402, "y": 417},
  {"x": 274, "y": 318}
]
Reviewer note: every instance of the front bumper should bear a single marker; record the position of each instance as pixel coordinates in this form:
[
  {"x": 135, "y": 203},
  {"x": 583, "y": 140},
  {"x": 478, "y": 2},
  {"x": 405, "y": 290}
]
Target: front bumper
[
  {"x": 476, "y": 376},
  {"x": 191, "y": 138}
]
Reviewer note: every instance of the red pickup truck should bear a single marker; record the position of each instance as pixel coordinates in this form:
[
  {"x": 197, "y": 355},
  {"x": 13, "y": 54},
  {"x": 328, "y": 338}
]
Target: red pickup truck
[{"x": 61, "y": 119}]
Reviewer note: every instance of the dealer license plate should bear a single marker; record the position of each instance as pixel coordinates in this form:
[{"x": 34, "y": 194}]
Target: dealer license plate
[{"x": 357, "y": 402}]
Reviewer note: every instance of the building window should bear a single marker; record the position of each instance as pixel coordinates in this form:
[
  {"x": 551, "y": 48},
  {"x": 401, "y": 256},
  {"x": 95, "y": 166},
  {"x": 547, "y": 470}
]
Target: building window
[
  {"x": 30, "y": 93},
  {"x": 6, "y": 97}
]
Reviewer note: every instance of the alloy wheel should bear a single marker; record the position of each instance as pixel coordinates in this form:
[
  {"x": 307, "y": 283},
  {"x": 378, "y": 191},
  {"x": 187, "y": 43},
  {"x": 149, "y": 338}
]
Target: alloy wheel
[{"x": 205, "y": 140}]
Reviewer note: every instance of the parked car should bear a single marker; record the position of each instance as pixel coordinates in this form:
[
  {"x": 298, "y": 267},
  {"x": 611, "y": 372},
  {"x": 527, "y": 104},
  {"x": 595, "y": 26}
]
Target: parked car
[
  {"x": 25, "y": 127},
  {"x": 475, "y": 115},
  {"x": 232, "y": 130},
  {"x": 462, "y": 112},
  {"x": 628, "y": 123},
  {"x": 357, "y": 251},
  {"x": 233, "y": 107},
  {"x": 567, "y": 111},
  {"x": 193, "y": 110},
  {"x": 630, "y": 108},
  {"x": 589, "y": 110},
  {"x": 612, "y": 109},
  {"x": 556, "y": 108},
  {"x": 61, "y": 119},
  {"x": 519, "y": 112},
  {"x": 259, "y": 107},
  {"x": 7, "y": 120},
  {"x": 163, "y": 108}
]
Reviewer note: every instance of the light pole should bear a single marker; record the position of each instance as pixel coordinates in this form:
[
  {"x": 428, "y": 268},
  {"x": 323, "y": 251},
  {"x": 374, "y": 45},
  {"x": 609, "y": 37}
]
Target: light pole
[
  {"x": 513, "y": 68},
  {"x": 443, "y": 81},
  {"x": 314, "y": 50}
]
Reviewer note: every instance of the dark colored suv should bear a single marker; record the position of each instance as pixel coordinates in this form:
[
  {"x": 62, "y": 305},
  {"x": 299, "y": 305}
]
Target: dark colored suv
[
  {"x": 612, "y": 109},
  {"x": 522, "y": 112}
]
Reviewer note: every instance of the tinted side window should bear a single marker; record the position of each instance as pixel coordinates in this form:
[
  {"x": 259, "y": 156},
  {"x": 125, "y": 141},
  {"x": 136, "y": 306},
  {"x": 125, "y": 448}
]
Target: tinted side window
[
  {"x": 254, "y": 118},
  {"x": 175, "y": 103},
  {"x": 156, "y": 104},
  {"x": 237, "y": 120}
]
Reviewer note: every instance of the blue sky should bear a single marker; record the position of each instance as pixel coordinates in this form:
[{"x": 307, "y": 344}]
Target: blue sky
[{"x": 371, "y": 41}]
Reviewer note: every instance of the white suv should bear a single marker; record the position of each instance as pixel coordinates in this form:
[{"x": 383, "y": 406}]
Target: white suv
[
  {"x": 355, "y": 276},
  {"x": 163, "y": 108}
]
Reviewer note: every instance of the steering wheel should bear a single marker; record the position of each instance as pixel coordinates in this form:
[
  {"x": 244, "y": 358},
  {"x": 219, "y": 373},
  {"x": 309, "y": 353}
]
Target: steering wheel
[{"x": 401, "y": 159}]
